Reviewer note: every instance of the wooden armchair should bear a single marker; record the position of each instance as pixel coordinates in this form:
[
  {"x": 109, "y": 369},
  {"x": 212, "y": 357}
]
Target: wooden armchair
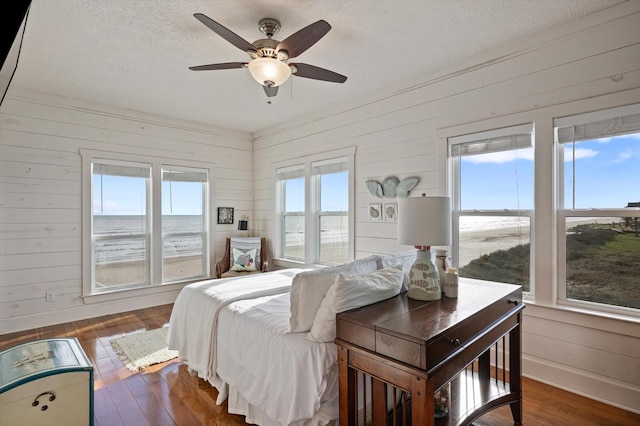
[{"x": 224, "y": 267}]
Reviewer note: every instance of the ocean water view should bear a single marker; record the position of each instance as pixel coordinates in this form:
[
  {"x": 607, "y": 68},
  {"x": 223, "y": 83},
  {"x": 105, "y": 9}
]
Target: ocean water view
[
  {"x": 121, "y": 237},
  {"x": 126, "y": 242}
]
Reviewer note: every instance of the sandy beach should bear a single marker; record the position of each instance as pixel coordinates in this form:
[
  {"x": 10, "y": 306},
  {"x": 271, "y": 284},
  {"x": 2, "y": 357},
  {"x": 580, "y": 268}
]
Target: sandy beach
[
  {"x": 478, "y": 243},
  {"x": 474, "y": 244},
  {"x": 121, "y": 273}
]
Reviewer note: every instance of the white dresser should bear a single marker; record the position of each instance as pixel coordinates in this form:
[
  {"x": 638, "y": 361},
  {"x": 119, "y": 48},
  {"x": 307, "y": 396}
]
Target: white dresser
[{"x": 46, "y": 382}]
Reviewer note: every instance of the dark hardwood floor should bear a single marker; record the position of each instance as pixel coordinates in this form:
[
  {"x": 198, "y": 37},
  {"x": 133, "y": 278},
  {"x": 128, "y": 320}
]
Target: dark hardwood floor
[{"x": 166, "y": 394}]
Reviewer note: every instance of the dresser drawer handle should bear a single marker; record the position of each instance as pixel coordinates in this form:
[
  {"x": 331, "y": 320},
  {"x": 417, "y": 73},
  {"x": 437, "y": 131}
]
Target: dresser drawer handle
[
  {"x": 35, "y": 402},
  {"x": 514, "y": 301},
  {"x": 456, "y": 342}
]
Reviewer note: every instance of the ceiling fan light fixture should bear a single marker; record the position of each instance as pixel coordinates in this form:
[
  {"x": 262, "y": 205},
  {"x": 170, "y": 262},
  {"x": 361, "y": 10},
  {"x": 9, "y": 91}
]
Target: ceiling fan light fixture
[{"x": 269, "y": 70}]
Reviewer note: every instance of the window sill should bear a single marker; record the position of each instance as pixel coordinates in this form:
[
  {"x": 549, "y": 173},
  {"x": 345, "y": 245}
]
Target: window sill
[
  {"x": 590, "y": 318},
  {"x": 280, "y": 263},
  {"x": 579, "y": 316},
  {"x": 135, "y": 292}
]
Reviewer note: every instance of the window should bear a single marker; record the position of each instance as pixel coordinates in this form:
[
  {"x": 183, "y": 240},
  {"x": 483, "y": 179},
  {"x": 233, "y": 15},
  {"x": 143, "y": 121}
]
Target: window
[
  {"x": 121, "y": 224},
  {"x": 314, "y": 205},
  {"x": 599, "y": 207},
  {"x": 332, "y": 212},
  {"x": 292, "y": 185},
  {"x": 147, "y": 223},
  {"x": 492, "y": 204},
  {"x": 184, "y": 223}
]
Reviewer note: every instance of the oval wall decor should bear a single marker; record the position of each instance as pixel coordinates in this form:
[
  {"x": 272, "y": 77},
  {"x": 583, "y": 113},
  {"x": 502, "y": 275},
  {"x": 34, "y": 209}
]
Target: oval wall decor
[
  {"x": 389, "y": 186},
  {"x": 374, "y": 188},
  {"x": 406, "y": 185}
]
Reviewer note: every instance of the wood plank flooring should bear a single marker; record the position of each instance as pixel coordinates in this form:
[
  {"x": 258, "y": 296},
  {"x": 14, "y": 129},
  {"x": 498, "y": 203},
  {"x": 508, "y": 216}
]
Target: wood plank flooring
[{"x": 166, "y": 394}]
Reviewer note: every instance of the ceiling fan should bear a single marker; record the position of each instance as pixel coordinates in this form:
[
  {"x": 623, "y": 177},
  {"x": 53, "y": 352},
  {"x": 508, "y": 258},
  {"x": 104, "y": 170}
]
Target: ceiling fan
[{"x": 268, "y": 64}]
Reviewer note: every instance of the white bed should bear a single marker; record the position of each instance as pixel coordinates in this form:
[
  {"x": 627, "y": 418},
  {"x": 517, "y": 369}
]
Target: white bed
[
  {"x": 236, "y": 334},
  {"x": 270, "y": 375}
]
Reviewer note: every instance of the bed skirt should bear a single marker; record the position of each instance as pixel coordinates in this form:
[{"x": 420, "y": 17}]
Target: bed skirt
[{"x": 238, "y": 405}]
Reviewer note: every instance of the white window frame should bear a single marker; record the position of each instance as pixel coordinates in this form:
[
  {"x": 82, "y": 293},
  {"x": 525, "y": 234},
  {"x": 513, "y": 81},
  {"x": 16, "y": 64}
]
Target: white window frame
[
  {"x": 206, "y": 232},
  {"x": 571, "y": 126},
  {"x": 319, "y": 169},
  {"x": 453, "y": 181},
  {"x": 154, "y": 204},
  {"x": 312, "y": 206},
  {"x": 282, "y": 175}
]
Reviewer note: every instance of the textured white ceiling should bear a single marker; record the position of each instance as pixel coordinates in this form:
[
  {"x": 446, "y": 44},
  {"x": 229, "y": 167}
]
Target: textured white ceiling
[{"x": 135, "y": 54}]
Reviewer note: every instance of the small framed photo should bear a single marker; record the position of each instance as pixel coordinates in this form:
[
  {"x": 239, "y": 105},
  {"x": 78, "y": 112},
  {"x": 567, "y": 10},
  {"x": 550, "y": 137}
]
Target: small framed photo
[
  {"x": 225, "y": 215},
  {"x": 391, "y": 212},
  {"x": 375, "y": 212}
]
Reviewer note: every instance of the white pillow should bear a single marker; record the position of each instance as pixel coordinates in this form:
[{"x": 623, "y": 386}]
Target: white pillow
[
  {"x": 244, "y": 260},
  {"x": 309, "y": 288},
  {"x": 353, "y": 291},
  {"x": 406, "y": 259}
]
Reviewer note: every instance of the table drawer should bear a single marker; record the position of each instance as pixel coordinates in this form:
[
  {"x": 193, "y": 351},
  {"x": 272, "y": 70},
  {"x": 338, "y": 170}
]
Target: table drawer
[
  {"x": 459, "y": 337},
  {"x": 356, "y": 334}
]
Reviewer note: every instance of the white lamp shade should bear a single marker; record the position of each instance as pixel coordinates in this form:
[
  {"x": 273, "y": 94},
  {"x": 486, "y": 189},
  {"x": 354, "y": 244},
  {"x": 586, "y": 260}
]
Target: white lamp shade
[
  {"x": 269, "y": 70},
  {"x": 424, "y": 221}
]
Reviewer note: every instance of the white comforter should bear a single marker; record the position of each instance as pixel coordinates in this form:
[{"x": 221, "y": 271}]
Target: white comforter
[{"x": 235, "y": 332}]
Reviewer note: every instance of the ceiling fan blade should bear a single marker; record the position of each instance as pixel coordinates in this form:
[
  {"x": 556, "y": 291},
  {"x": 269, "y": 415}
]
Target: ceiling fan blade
[
  {"x": 317, "y": 73},
  {"x": 297, "y": 43},
  {"x": 224, "y": 66},
  {"x": 270, "y": 91},
  {"x": 225, "y": 33}
]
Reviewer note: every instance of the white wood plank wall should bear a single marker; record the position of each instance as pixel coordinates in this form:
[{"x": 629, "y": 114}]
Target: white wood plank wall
[
  {"x": 40, "y": 196},
  {"x": 592, "y": 64}
]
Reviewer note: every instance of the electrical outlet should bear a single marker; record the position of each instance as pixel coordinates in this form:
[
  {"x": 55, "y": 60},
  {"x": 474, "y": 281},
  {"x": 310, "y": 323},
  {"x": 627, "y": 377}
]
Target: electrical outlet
[{"x": 51, "y": 296}]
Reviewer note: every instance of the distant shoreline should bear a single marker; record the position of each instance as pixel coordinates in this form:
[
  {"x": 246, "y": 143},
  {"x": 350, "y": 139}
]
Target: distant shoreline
[{"x": 486, "y": 241}]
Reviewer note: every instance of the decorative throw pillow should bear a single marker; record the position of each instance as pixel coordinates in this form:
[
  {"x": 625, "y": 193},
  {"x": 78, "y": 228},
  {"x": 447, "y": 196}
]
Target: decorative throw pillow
[
  {"x": 244, "y": 244},
  {"x": 244, "y": 260},
  {"x": 353, "y": 291}
]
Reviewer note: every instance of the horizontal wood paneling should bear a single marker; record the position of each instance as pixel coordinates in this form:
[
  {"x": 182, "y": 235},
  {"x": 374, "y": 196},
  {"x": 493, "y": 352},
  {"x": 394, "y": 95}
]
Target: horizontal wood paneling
[
  {"x": 41, "y": 194},
  {"x": 394, "y": 133},
  {"x": 397, "y": 134}
]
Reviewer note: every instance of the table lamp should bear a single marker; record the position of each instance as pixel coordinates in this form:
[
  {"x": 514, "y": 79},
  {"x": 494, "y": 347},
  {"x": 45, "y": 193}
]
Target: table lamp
[{"x": 424, "y": 222}]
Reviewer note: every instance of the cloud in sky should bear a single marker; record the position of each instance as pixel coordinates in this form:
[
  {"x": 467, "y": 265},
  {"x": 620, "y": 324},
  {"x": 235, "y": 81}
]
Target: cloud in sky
[
  {"x": 623, "y": 156},
  {"x": 580, "y": 153},
  {"x": 108, "y": 207},
  {"x": 501, "y": 157}
]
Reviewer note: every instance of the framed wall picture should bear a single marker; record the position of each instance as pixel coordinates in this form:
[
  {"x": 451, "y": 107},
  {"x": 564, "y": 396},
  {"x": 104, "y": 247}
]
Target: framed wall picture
[
  {"x": 375, "y": 212},
  {"x": 225, "y": 215},
  {"x": 391, "y": 212}
]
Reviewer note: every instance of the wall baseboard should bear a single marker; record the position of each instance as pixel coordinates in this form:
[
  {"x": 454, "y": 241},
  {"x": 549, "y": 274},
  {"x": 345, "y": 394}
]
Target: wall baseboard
[{"x": 593, "y": 386}]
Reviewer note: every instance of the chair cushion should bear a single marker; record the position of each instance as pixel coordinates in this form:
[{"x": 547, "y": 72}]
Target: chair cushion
[{"x": 243, "y": 260}]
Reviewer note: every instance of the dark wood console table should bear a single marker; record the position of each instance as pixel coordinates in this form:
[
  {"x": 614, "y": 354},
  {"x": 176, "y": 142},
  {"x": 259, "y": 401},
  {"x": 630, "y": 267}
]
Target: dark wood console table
[{"x": 417, "y": 347}]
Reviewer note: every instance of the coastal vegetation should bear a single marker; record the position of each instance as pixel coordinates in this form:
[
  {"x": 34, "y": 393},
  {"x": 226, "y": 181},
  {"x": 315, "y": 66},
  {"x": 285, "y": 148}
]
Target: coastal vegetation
[{"x": 603, "y": 265}]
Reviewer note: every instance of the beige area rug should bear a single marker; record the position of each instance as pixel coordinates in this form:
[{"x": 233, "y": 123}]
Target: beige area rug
[{"x": 140, "y": 350}]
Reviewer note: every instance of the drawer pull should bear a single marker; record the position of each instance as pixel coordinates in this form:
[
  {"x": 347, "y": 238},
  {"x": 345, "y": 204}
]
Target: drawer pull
[
  {"x": 35, "y": 402},
  {"x": 456, "y": 342},
  {"x": 514, "y": 301}
]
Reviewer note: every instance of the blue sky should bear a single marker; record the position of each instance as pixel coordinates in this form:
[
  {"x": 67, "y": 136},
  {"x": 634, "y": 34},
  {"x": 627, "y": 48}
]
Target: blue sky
[
  {"x": 126, "y": 196},
  {"x": 607, "y": 175},
  {"x": 334, "y": 193}
]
